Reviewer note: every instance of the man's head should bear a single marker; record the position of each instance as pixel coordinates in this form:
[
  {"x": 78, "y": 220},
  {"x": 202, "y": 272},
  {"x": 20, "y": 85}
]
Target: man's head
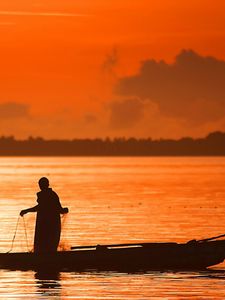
[{"x": 43, "y": 183}]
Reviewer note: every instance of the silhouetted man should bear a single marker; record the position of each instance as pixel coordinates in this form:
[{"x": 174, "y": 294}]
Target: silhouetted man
[{"x": 48, "y": 222}]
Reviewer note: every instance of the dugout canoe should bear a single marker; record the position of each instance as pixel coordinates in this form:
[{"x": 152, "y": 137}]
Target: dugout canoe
[{"x": 193, "y": 255}]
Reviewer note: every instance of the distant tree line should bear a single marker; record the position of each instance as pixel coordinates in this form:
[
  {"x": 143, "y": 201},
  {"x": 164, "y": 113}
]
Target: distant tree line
[{"x": 211, "y": 145}]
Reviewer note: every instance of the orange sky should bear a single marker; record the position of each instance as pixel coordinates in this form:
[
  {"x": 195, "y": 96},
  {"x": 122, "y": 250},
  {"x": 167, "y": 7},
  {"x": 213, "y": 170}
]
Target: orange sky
[{"x": 61, "y": 62}]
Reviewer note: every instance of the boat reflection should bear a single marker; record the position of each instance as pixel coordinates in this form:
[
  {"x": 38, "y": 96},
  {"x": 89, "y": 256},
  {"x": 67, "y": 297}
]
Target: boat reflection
[{"x": 48, "y": 283}]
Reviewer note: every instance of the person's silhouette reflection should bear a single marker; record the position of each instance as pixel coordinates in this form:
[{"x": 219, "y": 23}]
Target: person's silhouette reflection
[
  {"x": 48, "y": 222},
  {"x": 48, "y": 284}
]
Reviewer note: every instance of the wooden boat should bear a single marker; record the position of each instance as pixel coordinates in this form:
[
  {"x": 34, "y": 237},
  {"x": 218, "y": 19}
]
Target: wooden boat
[{"x": 123, "y": 257}]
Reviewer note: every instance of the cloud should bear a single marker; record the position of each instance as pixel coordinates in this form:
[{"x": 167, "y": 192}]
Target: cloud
[
  {"x": 111, "y": 61},
  {"x": 125, "y": 113},
  {"x": 39, "y": 14},
  {"x": 192, "y": 88},
  {"x": 90, "y": 118},
  {"x": 13, "y": 110}
]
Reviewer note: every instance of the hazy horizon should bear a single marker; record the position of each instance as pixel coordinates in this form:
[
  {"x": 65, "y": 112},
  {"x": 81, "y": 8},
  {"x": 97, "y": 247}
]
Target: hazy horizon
[{"x": 112, "y": 138}]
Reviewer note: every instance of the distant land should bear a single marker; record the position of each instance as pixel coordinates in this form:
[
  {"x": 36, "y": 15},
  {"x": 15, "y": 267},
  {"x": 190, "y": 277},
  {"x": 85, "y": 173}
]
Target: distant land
[{"x": 211, "y": 145}]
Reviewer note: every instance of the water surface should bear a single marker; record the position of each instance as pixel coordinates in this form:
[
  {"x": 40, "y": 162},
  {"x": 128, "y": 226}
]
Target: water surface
[{"x": 115, "y": 200}]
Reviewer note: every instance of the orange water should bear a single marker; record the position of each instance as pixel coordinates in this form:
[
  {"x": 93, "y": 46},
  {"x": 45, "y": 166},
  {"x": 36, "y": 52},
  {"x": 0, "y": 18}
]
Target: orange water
[{"x": 116, "y": 200}]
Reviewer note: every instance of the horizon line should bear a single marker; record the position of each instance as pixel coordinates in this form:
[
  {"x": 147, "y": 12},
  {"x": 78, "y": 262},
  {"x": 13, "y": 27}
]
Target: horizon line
[{"x": 112, "y": 138}]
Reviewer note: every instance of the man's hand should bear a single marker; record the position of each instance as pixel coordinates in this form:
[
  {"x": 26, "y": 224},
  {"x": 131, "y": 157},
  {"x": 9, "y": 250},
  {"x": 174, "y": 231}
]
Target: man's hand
[
  {"x": 23, "y": 212},
  {"x": 65, "y": 210}
]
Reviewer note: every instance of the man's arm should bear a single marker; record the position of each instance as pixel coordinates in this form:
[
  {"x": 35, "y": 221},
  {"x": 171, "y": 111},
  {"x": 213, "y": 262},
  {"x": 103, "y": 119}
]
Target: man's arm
[
  {"x": 32, "y": 209},
  {"x": 62, "y": 210}
]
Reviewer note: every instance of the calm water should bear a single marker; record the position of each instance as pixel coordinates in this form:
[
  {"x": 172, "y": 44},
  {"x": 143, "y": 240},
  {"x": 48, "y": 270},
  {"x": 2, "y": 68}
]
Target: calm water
[{"x": 115, "y": 200}]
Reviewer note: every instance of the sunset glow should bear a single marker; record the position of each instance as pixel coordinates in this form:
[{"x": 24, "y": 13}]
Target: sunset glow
[{"x": 65, "y": 68}]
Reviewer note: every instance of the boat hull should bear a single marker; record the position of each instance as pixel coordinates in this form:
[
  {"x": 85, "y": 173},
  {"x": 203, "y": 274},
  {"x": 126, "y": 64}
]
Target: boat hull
[{"x": 143, "y": 257}]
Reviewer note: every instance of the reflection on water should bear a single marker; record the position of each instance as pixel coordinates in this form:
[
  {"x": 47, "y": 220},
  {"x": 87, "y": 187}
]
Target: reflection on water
[
  {"x": 48, "y": 284},
  {"x": 116, "y": 200},
  {"x": 109, "y": 285}
]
